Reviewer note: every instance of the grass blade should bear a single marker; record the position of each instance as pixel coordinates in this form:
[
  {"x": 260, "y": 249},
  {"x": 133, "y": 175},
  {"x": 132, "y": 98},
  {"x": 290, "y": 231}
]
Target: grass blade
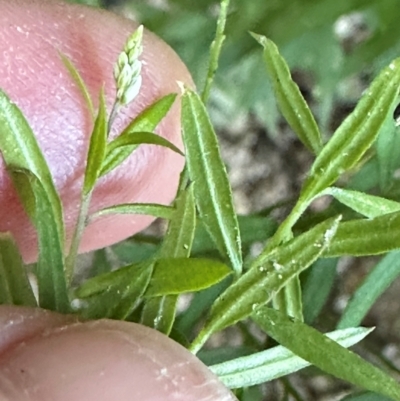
[
  {"x": 290, "y": 100},
  {"x": 275, "y": 362},
  {"x": 368, "y": 205},
  {"x": 366, "y": 237},
  {"x": 53, "y": 293},
  {"x": 20, "y": 150},
  {"x": 149, "y": 209},
  {"x": 79, "y": 82},
  {"x": 115, "y": 295},
  {"x": 326, "y": 354},
  {"x": 97, "y": 147},
  {"x": 139, "y": 138},
  {"x": 211, "y": 186},
  {"x": 15, "y": 288},
  {"x": 146, "y": 121},
  {"x": 32, "y": 179},
  {"x": 377, "y": 281},
  {"x": 317, "y": 287},
  {"x": 179, "y": 275}
]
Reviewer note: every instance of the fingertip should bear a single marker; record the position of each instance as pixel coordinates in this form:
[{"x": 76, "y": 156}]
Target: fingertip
[{"x": 103, "y": 361}]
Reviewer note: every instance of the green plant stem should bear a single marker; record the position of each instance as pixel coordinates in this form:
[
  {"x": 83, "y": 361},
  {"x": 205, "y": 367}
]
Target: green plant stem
[
  {"x": 289, "y": 299},
  {"x": 77, "y": 236},
  {"x": 215, "y": 50},
  {"x": 283, "y": 233},
  {"x": 113, "y": 114}
]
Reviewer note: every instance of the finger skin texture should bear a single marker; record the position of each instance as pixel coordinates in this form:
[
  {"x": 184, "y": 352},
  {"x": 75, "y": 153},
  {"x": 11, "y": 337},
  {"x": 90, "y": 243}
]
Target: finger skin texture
[
  {"x": 103, "y": 360},
  {"x": 32, "y": 32}
]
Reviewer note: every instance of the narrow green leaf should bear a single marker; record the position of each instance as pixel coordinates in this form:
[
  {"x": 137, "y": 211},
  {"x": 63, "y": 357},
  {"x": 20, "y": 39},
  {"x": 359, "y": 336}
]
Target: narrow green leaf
[
  {"x": 366, "y": 396},
  {"x": 317, "y": 287},
  {"x": 275, "y": 362},
  {"x": 160, "y": 312},
  {"x": 149, "y": 209},
  {"x": 259, "y": 284},
  {"x": 139, "y": 138},
  {"x": 180, "y": 275},
  {"x": 357, "y": 133},
  {"x": 79, "y": 82},
  {"x": 326, "y": 354},
  {"x": 15, "y": 288},
  {"x": 211, "y": 186},
  {"x": 215, "y": 49},
  {"x": 366, "y": 236},
  {"x": 20, "y": 150},
  {"x": 178, "y": 240},
  {"x": 368, "y": 205},
  {"x": 290, "y": 100},
  {"x": 52, "y": 284},
  {"x": 97, "y": 147},
  {"x": 115, "y": 295},
  {"x": 388, "y": 153},
  {"x": 373, "y": 286},
  {"x": 146, "y": 121}
]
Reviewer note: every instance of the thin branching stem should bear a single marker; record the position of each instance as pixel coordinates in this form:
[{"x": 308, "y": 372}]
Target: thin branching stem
[{"x": 77, "y": 236}]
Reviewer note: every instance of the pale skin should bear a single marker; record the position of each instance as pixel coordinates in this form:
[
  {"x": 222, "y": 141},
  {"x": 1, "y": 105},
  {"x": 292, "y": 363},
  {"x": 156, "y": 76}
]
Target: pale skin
[{"x": 46, "y": 356}]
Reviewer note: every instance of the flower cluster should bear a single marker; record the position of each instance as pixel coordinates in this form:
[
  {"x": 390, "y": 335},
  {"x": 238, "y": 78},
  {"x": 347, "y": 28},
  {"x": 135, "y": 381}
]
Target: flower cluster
[{"x": 128, "y": 68}]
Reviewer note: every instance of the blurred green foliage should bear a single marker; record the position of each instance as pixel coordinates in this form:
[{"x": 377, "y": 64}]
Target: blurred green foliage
[{"x": 304, "y": 30}]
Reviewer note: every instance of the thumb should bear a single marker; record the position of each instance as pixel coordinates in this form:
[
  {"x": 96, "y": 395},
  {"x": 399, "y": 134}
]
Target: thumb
[
  {"x": 48, "y": 357},
  {"x": 32, "y": 33}
]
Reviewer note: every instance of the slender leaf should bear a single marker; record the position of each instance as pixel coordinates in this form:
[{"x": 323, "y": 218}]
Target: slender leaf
[
  {"x": 357, "y": 133},
  {"x": 36, "y": 189},
  {"x": 368, "y": 205},
  {"x": 317, "y": 287},
  {"x": 146, "y": 121},
  {"x": 326, "y": 354},
  {"x": 20, "y": 150},
  {"x": 15, "y": 288},
  {"x": 377, "y": 281},
  {"x": 97, "y": 147},
  {"x": 388, "y": 153},
  {"x": 275, "y": 362},
  {"x": 149, "y": 209},
  {"x": 367, "y": 396},
  {"x": 290, "y": 100},
  {"x": 366, "y": 237},
  {"x": 138, "y": 138},
  {"x": 258, "y": 285},
  {"x": 207, "y": 171},
  {"x": 215, "y": 49},
  {"x": 79, "y": 82},
  {"x": 52, "y": 284},
  {"x": 116, "y": 294},
  {"x": 180, "y": 275},
  {"x": 160, "y": 312}
]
